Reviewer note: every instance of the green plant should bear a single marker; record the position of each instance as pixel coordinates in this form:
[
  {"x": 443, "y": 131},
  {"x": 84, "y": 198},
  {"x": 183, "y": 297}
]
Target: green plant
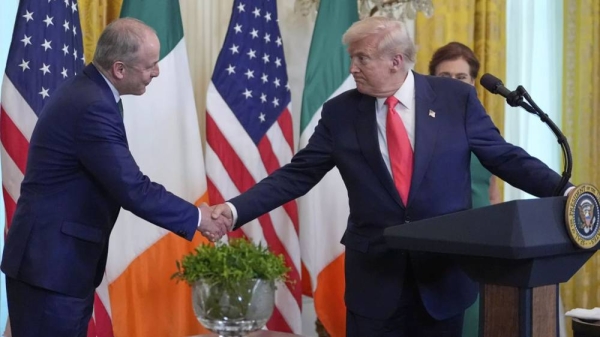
[
  {"x": 231, "y": 264},
  {"x": 224, "y": 277}
]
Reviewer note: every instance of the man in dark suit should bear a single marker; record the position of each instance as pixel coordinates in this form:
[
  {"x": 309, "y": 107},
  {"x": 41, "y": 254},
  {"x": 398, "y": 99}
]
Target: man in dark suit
[
  {"x": 402, "y": 143},
  {"x": 79, "y": 174}
]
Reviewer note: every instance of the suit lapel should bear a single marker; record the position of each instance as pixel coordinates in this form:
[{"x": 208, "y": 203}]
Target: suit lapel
[
  {"x": 426, "y": 126},
  {"x": 366, "y": 131}
]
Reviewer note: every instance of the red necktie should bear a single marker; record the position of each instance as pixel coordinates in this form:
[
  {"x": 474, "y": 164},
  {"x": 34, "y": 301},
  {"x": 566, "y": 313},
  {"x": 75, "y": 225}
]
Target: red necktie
[{"x": 399, "y": 149}]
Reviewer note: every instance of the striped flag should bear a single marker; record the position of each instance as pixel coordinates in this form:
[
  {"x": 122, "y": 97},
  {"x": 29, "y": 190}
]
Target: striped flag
[
  {"x": 164, "y": 138},
  {"x": 249, "y": 134},
  {"x": 324, "y": 210},
  {"x": 46, "y": 49}
]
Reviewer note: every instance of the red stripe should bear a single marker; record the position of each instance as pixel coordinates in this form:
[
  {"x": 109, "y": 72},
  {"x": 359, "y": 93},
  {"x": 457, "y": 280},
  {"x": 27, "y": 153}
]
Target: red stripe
[
  {"x": 267, "y": 155},
  {"x": 13, "y": 140},
  {"x": 103, "y": 323},
  {"x": 91, "y": 328},
  {"x": 10, "y": 206},
  {"x": 287, "y": 127},
  {"x": 243, "y": 180},
  {"x": 277, "y": 322},
  {"x": 292, "y": 210}
]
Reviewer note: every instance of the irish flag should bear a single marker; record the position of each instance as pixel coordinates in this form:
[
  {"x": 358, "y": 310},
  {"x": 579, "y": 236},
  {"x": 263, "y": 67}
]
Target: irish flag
[
  {"x": 138, "y": 298},
  {"x": 324, "y": 210}
]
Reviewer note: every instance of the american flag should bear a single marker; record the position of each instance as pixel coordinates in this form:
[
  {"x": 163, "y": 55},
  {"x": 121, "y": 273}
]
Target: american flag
[
  {"x": 46, "y": 49},
  {"x": 249, "y": 134}
]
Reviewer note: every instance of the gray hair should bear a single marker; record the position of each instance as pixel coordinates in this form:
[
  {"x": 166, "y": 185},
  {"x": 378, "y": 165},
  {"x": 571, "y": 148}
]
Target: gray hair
[
  {"x": 120, "y": 41},
  {"x": 394, "y": 37}
]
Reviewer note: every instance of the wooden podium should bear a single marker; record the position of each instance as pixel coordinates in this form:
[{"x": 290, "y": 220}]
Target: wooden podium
[{"x": 518, "y": 251}]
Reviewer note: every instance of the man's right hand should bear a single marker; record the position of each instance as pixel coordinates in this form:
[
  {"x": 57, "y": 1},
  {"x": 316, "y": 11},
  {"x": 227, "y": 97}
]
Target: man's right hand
[{"x": 214, "y": 227}]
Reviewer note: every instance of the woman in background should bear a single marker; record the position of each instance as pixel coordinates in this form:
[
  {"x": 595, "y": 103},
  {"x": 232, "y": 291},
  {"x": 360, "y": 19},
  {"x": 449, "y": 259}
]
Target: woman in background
[{"x": 458, "y": 61}]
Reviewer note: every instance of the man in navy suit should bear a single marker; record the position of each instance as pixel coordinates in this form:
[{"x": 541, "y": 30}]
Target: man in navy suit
[
  {"x": 79, "y": 174},
  {"x": 402, "y": 143}
]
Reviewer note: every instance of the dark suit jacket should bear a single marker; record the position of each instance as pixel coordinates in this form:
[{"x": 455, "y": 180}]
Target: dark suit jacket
[
  {"x": 79, "y": 174},
  {"x": 346, "y": 137}
]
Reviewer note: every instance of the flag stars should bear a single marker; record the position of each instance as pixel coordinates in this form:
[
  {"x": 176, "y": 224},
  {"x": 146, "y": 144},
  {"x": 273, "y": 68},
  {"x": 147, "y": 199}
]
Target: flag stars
[
  {"x": 66, "y": 25},
  {"x": 28, "y": 15},
  {"x": 48, "y": 21},
  {"x": 64, "y": 73},
  {"x": 287, "y": 86},
  {"x": 65, "y": 49},
  {"x": 278, "y": 62},
  {"x": 267, "y": 38},
  {"x": 263, "y": 98},
  {"x": 247, "y": 93},
  {"x": 249, "y": 74},
  {"x": 278, "y": 41},
  {"x": 275, "y": 102},
  {"x": 45, "y": 68},
  {"x": 254, "y": 33},
  {"x": 26, "y": 40},
  {"x": 66, "y": 3},
  {"x": 264, "y": 78},
  {"x": 75, "y": 54},
  {"x": 46, "y": 45},
  {"x": 24, "y": 65},
  {"x": 266, "y": 58},
  {"x": 237, "y": 28},
  {"x": 256, "y": 12},
  {"x": 251, "y": 53},
  {"x": 276, "y": 82},
  {"x": 241, "y": 7},
  {"x": 74, "y": 30},
  {"x": 234, "y": 49},
  {"x": 73, "y": 7},
  {"x": 44, "y": 93},
  {"x": 262, "y": 118},
  {"x": 230, "y": 70},
  {"x": 268, "y": 16}
]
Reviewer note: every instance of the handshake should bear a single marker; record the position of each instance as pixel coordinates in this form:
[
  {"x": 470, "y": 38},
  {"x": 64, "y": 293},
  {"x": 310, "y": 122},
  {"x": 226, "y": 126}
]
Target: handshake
[{"x": 216, "y": 221}]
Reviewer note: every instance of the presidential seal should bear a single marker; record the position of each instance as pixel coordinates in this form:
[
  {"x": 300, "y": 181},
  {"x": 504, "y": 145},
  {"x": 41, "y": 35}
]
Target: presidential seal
[{"x": 582, "y": 215}]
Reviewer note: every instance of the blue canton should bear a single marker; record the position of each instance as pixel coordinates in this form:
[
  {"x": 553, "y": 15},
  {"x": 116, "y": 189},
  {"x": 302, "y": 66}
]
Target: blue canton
[{"x": 250, "y": 73}]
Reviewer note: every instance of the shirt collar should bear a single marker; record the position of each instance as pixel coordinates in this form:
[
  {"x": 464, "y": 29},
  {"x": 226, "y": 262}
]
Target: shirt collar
[
  {"x": 112, "y": 88},
  {"x": 405, "y": 94}
]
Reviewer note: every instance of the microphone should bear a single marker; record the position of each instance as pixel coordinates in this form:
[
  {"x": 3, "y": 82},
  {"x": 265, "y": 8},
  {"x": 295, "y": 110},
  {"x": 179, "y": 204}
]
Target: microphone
[
  {"x": 515, "y": 98},
  {"x": 494, "y": 85}
]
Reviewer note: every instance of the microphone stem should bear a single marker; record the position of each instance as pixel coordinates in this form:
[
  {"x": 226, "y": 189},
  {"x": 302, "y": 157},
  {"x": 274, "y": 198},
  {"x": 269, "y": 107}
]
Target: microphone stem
[{"x": 562, "y": 140}]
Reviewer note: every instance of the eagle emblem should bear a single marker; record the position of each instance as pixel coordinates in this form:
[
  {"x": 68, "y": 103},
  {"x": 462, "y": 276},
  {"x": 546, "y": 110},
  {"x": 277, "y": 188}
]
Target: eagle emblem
[{"x": 586, "y": 215}]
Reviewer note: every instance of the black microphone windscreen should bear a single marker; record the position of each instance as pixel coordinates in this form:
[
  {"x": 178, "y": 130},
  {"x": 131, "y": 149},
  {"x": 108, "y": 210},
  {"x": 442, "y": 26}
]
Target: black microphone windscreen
[{"x": 490, "y": 82}]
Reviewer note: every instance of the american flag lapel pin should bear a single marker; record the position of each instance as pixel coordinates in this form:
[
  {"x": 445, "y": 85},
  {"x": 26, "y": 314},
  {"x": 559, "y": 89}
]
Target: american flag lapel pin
[{"x": 431, "y": 113}]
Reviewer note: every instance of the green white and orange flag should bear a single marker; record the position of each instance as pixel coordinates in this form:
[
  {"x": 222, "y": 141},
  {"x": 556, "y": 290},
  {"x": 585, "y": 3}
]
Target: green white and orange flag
[
  {"x": 324, "y": 210},
  {"x": 137, "y": 296}
]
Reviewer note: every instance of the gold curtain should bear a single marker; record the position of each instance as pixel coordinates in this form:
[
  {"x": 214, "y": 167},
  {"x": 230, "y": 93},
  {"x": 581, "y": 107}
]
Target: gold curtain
[
  {"x": 479, "y": 24},
  {"x": 94, "y": 16},
  {"x": 581, "y": 125}
]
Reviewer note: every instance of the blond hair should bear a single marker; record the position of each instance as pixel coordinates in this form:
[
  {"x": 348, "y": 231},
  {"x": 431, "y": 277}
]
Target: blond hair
[{"x": 393, "y": 37}]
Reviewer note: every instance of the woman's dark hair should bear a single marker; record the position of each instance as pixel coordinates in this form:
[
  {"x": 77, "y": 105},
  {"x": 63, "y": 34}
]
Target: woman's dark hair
[{"x": 453, "y": 51}]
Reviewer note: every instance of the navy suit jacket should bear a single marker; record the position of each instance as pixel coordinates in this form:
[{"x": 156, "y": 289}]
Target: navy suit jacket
[
  {"x": 79, "y": 174},
  {"x": 346, "y": 137}
]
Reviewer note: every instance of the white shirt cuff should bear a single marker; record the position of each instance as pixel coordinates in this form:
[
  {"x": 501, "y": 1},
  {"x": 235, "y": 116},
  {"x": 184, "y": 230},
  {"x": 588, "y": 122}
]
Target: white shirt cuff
[
  {"x": 233, "y": 212},
  {"x": 569, "y": 190}
]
